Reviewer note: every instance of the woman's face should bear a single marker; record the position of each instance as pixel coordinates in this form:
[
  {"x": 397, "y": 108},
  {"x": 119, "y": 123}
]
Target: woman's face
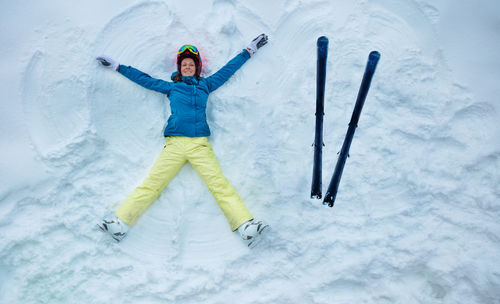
[{"x": 188, "y": 67}]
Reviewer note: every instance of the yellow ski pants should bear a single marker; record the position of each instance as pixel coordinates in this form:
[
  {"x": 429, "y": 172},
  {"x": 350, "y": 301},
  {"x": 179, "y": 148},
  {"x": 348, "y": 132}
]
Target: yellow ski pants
[{"x": 177, "y": 151}]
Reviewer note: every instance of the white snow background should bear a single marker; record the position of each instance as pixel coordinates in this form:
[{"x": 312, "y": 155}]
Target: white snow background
[{"x": 417, "y": 215}]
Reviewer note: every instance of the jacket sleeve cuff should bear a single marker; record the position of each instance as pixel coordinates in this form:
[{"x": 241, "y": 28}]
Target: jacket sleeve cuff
[{"x": 245, "y": 53}]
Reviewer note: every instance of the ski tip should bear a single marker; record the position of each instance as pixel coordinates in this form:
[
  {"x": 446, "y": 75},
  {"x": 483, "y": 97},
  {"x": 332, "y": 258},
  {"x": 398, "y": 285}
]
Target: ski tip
[
  {"x": 372, "y": 61},
  {"x": 374, "y": 55},
  {"x": 323, "y": 40}
]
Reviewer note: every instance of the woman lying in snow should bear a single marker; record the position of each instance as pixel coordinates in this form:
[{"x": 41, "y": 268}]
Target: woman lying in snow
[{"x": 186, "y": 136}]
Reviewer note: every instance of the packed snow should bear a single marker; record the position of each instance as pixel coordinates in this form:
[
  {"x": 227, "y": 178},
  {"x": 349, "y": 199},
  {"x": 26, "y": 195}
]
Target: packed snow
[{"x": 416, "y": 218}]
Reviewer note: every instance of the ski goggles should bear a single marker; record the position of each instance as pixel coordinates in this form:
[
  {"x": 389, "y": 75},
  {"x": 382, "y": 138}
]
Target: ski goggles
[{"x": 187, "y": 47}]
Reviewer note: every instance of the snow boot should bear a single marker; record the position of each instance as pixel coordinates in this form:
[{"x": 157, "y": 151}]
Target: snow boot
[
  {"x": 115, "y": 227},
  {"x": 251, "y": 232}
]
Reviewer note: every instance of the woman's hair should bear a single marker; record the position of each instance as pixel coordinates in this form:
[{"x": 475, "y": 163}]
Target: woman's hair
[{"x": 177, "y": 77}]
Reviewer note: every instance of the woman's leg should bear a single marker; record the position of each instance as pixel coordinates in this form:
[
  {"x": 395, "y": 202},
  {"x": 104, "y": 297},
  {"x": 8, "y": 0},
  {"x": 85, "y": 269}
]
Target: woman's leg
[
  {"x": 167, "y": 165},
  {"x": 204, "y": 161}
]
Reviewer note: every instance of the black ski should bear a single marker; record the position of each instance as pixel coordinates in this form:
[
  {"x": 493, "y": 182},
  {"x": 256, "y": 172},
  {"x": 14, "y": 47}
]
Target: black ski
[
  {"x": 322, "y": 44},
  {"x": 373, "y": 59}
]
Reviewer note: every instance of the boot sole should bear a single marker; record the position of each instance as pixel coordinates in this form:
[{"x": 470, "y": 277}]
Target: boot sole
[
  {"x": 258, "y": 239},
  {"x": 103, "y": 229}
]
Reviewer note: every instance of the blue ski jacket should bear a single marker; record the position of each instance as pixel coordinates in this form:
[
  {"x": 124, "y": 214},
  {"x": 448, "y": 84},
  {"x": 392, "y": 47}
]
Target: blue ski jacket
[{"x": 188, "y": 98}]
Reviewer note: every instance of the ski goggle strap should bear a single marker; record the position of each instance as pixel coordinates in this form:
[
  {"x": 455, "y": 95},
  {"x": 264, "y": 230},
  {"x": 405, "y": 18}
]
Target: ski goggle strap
[{"x": 187, "y": 47}]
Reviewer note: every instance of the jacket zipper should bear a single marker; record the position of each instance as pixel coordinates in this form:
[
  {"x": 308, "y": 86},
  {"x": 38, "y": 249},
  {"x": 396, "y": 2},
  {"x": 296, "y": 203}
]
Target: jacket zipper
[{"x": 194, "y": 103}]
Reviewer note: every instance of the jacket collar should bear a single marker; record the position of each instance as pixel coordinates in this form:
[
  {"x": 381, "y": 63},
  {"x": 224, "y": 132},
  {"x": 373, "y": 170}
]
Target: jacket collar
[{"x": 186, "y": 79}]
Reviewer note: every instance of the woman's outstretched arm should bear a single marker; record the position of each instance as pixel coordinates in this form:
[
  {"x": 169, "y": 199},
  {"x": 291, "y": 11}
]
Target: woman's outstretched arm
[
  {"x": 222, "y": 75},
  {"x": 136, "y": 76}
]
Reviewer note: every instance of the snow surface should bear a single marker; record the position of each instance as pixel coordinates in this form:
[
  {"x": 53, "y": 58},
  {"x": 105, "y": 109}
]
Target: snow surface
[{"x": 417, "y": 215}]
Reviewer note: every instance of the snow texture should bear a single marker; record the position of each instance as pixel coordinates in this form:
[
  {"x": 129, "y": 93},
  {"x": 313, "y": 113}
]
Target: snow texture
[{"x": 416, "y": 218}]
